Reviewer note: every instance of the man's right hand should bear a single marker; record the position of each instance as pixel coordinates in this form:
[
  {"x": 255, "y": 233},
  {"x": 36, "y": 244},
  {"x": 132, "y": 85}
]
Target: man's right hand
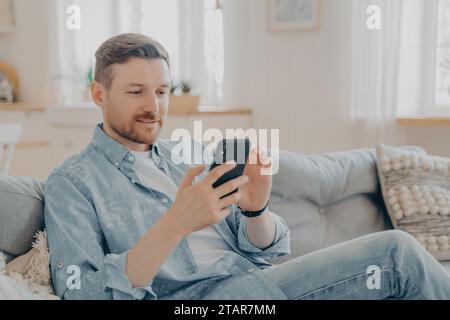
[{"x": 199, "y": 205}]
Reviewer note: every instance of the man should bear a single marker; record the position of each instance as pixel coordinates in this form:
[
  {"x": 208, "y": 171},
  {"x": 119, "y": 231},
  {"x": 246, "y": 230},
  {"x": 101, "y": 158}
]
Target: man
[
  {"x": 128, "y": 217},
  {"x": 125, "y": 222}
]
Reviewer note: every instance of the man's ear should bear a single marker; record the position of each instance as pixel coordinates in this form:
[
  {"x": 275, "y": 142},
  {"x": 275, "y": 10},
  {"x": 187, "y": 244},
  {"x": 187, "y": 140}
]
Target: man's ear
[{"x": 98, "y": 92}]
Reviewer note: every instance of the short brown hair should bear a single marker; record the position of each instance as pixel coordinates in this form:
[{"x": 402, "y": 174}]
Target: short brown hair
[{"x": 122, "y": 47}]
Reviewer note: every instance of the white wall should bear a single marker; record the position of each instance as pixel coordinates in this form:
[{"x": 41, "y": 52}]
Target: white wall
[
  {"x": 27, "y": 49},
  {"x": 297, "y": 82},
  {"x": 434, "y": 139}
]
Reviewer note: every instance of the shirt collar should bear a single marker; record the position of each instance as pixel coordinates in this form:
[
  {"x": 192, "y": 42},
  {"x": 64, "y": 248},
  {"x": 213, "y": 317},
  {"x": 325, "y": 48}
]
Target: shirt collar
[{"x": 113, "y": 150}]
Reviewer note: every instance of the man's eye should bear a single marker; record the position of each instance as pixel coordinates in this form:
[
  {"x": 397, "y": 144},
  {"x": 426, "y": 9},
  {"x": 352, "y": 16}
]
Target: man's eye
[
  {"x": 134, "y": 92},
  {"x": 163, "y": 92}
]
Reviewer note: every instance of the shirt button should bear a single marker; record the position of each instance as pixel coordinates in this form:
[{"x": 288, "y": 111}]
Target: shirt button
[
  {"x": 164, "y": 200},
  {"x": 60, "y": 265},
  {"x": 131, "y": 158},
  {"x": 116, "y": 163},
  {"x": 133, "y": 181},
  {"x": 251, "y": 269}
]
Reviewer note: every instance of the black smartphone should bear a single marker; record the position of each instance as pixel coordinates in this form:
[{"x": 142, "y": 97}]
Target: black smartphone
[{"x": 231, "y": 149}]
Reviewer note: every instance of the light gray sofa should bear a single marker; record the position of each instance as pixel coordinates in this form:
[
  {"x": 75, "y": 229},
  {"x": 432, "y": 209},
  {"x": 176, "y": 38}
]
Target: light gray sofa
[{"x": 325, "y": 199}]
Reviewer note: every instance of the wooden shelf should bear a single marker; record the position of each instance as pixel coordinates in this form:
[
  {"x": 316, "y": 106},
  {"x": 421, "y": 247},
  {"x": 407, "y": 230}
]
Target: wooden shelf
[
  {"x": 21, "y": 107},
  {"x": 423, "y": 121},
  {"x": 32, "y": 144},
  {"x": 217, "y": 113},
  {"x": 203, "y": 110}
]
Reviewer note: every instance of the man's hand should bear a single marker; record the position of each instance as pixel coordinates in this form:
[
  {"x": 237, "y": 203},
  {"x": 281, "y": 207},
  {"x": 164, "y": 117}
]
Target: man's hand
[
  {"x": 256, "y": 192},
  {"x": 199, "y": 205}
]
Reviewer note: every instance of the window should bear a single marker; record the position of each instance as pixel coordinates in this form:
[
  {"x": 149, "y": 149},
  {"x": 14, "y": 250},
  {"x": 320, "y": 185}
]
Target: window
[
  {"x": 191, "y": 31},
  {"x": 155, "y": 18},
  {"x": 213, "y": 48},
  {"x": 442, "y": 62},
  {"x": 424, "y": 78},
  {"x": 437, "y": 59}
]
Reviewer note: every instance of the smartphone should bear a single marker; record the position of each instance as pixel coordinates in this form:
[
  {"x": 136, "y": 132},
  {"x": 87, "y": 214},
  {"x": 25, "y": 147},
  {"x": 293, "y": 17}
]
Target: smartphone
[{"x": 231, "y": 149}]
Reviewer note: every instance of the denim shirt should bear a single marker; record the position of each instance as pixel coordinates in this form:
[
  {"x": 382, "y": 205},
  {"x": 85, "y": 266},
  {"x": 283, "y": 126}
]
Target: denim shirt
[{"x": 96, "y": 209}]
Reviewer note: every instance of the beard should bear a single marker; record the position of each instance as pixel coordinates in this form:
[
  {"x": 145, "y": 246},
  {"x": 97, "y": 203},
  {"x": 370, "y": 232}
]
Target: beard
[{"x": 136, "y": 132}]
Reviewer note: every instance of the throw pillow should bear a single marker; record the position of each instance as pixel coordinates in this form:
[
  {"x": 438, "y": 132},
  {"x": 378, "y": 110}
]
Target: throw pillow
[
  {"x": 31, "y": 271},
  {"x": 416, "y": 191}
]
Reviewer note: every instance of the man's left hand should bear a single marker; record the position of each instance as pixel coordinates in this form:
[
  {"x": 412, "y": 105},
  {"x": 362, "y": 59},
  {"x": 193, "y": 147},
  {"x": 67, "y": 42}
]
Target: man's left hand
[{"x": 256, "y": 192}]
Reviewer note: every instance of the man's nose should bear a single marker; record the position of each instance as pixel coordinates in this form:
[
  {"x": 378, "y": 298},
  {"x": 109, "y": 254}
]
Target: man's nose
[{"x": 151, "y": 104}]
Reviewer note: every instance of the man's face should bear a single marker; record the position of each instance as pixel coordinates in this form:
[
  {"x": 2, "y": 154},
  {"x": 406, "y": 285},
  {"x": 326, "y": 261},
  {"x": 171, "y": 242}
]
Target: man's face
[{"x": 135, "y": 107}]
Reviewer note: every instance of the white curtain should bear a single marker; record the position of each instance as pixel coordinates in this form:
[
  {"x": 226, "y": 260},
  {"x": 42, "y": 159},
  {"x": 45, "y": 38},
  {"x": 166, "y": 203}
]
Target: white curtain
[
  {"x": 189, "y": 29},
  {"x": 72, "y": 50},
  {"x": 191, "y": 55},
  {"x": 62, "y": 87},
  {"x": 374, "y": 72}
]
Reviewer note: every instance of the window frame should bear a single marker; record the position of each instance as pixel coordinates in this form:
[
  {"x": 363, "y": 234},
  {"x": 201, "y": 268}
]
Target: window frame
[{"x": 429, "y": 106}]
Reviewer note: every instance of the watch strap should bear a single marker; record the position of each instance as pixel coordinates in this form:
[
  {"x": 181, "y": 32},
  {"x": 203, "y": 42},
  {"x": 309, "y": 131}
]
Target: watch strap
[{"x": 252, "y": 214}]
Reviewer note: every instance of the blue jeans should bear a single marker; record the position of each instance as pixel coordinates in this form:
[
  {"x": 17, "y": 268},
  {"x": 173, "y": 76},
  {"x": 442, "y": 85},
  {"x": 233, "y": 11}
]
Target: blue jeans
[{"x": 403, "y": 270}]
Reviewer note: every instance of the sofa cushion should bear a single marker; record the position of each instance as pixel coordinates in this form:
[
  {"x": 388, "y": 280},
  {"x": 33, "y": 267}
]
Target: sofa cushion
[
  {"x": 21, "y": 213},
  {"x": 324, "y": 179},
  {"x": 328, "y": 198}
]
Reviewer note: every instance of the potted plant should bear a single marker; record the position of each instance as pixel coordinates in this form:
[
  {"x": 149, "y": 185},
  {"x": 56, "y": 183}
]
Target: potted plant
[
  {"x": 181, "y": 101},
  {"x": 87, "y": 79}
]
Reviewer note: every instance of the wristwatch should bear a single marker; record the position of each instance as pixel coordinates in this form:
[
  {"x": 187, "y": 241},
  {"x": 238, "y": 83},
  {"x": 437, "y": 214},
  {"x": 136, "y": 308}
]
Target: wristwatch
[{"x": 252, "y": 214}]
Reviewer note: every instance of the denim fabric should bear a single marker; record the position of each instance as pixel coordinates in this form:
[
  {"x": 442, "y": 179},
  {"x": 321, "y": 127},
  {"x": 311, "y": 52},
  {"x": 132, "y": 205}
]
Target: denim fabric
[
  {"x": 343, "y": 271},
  {"x": 96, "y": 209}
]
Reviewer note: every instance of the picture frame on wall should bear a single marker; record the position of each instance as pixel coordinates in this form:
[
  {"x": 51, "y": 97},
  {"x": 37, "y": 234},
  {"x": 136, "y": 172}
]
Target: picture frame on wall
[
  {"x": 7, "y": 23},
  {"x": 293, "y": 15}
]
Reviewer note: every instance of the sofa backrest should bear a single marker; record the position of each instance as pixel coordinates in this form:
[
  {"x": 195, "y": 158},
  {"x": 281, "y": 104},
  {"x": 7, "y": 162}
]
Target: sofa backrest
[
  {"x": 325, "y": 199},
  {"x": 328, "y": 198},
  {"x": 21, "y": 213}
]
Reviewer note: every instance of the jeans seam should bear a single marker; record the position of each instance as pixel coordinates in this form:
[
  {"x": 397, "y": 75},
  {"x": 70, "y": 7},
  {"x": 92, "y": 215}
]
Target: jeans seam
[
  {"x": 386, "y": 257},
  {"x": 332, "y": 285},
  {"x": 404, "y": 277},
  {"x": 410, "y": 282}
]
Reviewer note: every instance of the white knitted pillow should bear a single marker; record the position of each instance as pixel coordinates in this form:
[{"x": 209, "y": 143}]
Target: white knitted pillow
[
  {"x": 29, "y": 274},
  {"x": 416, "y": 191}
]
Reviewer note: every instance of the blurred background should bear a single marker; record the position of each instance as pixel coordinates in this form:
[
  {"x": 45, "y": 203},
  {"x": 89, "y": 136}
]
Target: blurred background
[{"x": 329, "y": 74}]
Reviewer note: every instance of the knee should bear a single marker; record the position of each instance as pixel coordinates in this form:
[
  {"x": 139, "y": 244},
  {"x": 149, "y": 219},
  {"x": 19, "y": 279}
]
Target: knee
[{"x": 402, "y": 240}]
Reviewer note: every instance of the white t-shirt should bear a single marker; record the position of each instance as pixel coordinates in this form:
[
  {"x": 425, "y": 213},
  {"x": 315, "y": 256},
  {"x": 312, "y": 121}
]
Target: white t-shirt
[{"x": 207, "y": 245}]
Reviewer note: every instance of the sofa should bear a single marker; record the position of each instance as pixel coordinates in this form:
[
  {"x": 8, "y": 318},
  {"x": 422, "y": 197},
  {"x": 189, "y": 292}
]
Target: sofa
[{"x": 325, "y": 199}]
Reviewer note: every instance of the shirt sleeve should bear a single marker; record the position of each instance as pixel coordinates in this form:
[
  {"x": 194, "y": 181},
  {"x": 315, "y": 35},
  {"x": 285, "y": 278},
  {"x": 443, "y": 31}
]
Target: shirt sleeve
[
  {"x": 81, "y": 267},
  {"x": 280, "y": 246}
]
